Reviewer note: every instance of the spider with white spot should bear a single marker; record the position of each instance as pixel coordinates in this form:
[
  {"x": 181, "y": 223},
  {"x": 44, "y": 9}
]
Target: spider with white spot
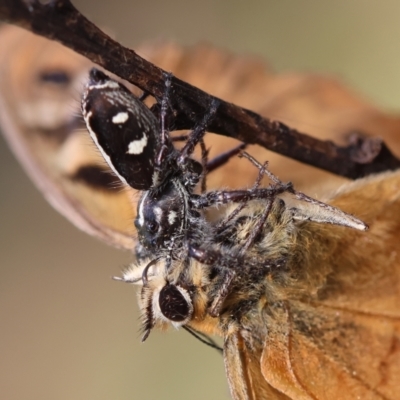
[{"x": 141, "y": 153}]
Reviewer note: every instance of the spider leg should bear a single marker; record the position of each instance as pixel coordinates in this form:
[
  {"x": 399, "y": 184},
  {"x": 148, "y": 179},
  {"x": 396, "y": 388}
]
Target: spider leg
[
  {"x": 204, "y": 162},
  {"x": 216, "y": 162},
  {"x": 223, "y": 158},
  {"x": 197, "y": 134},
  {"x": 223, "y": 224},
  {"x": 262, "y": 169},
  {"x": 264, "y": 216},
  {"x": 144, "y": 96},
  {"x": 216, "y": 198},
  {"x": 165, "y": 142},
  {"x": 219, "y": 160}
]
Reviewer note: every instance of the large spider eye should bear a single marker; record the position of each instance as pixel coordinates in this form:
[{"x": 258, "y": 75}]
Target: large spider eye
[
  {"x": 175, "y": 303},
  {"x": 152, "y": 226}
]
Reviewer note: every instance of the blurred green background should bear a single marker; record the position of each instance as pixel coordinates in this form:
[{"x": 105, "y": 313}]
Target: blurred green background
[{"x": 67, "y": 330}]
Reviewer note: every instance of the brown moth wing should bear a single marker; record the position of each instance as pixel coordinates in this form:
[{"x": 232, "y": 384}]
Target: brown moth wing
[
  {"x": 340, "y": 338},
  {"x": 40, "y": 86},
  {"x": 323, "y": 353},
  {"x": 242, "y": 366}
]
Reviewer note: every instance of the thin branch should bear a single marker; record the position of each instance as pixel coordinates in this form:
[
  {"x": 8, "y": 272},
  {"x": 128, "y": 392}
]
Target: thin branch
[{"x": 59, "y": 20}]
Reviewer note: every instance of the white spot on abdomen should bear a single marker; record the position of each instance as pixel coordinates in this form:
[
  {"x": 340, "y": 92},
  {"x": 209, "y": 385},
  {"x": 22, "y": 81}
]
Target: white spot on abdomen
[
  {"x": 171, "y": 217},
  {"x": 120, "y": 118},
  {"x": 137, "y": 146}
]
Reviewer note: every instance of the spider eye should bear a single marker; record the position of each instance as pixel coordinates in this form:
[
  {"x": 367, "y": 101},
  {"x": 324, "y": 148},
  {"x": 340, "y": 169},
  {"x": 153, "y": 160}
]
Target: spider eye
[{"x": 152, "y": 226}]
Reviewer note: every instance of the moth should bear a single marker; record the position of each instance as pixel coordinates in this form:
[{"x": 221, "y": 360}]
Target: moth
[
  {"x": 292, "y": 331},
  {"x": 329, "y": 327}
]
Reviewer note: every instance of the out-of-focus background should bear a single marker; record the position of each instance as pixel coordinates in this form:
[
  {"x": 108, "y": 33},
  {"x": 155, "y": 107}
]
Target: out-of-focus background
[{"x": 67, "y": 330}]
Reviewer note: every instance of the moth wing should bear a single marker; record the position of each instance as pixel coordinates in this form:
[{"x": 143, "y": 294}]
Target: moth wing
[
  {"x": 324, "y": 353},
  {"x": 243, "y": 372},
  {"x": 343, "y": 341},
  {"x": 40, "y": 89}
]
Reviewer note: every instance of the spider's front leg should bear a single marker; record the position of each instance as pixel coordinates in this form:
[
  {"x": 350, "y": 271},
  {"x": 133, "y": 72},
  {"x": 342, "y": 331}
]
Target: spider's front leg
[
  {"x": 190, "y": 169},
  {"x": 197, "y": 134},
  {"x": 220, "y": 197},
  {"x": 165, "y": 147}
]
